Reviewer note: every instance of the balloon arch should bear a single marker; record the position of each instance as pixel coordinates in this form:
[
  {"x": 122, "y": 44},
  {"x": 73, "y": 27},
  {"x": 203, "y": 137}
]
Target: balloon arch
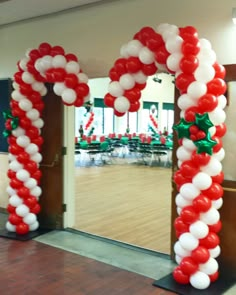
[{"x": 200, "y": 81}]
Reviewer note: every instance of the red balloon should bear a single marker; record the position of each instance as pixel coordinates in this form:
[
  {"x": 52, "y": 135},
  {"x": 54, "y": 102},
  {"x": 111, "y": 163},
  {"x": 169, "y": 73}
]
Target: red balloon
[
  {"x": 14, "y": 219},
  {"x": 216, "y": 86},
  {"x": 23, "y": 157},
  {"x": 155, "y": 42},
  {"x": 190, "y": 114},
  {"x": 82, "y": 89},
  {"x": 25, "y": 89},
  {"x": 188, "y": 31},
  {"x": 11, "y": 209},
  {"x": 71, "y": 80},
  {"x": 71, "y": 57},
  {"x": 201, "y": 203},
  {"x": 134, "y": 107},
  {"x": 201, "y": 159},
  {"x": 150, "y": 69},
  {"x": 32, "y": 132},
  {"x": 200, "y": 254},
  {"x": 210, "y": 241},
  {"x": 188, "y": 266},
  {"x": 118, "y": 114},
  {"x": 218, "y": 178},
  {"x": 25, "y": 123},
  {"x": 218, "y": 145},
  {"x": 146, "y": 33},
  {"x": 31, "y": 166},
  {"x": 22, "y": 228},
  {"x": 190, "y": 45},
  {"x": 35, "y": 209},
  {"x": 120, "y": 66},
  {"x": 44, "y": 48},
  {"x": 133, "y": 94},
  {"x": 214, "y": 276},
  {"x": 214, "y": 192},
  {"x": 220, "y": 130},
  {"x": 179, "y": 178},
  {"x": 30, "y": 201},
  {"x": 109, "y": 100},
  {"x": 78, "y": 102},
  {"x": 180, "y": 226},
  {"x": 161, "y": 55},
  {"x": 189, "y": 214},
  {"x": 183, "y": 81},
  {"x": 207, "y": 103},
  {"x": 180, "y": 277},
  {"x": 188, "y": 64},
  {"x": 215, "y": 227},
  {"x": 57, "y": 50},
  {"x": 133, "y": 64},
  {"x": 34, "y": 54},
  {"x": 37, "y": 175},
  {"x": 15, "y": 183},
  {"x": 11, "y": 173},
  {"x": 219, "y": 70},
  {"x": 188, "y": 169},
  {"x": 114, "y": 76},
  {"x": 59, "y": 75},
  {"x": 15, "y": 149},
  {"x": 23, "y": 192}
]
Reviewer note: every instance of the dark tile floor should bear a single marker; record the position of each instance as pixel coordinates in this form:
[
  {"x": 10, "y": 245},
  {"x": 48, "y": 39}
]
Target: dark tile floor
[{"x": 31, "y": 267}]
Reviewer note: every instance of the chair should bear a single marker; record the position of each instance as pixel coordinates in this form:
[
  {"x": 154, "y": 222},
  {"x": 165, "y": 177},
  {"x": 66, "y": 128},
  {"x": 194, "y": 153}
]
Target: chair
[
  {"x": 159, "y": 150},
  {"x": 145, "y": 151},
  {"x": 93, "y": 150}
]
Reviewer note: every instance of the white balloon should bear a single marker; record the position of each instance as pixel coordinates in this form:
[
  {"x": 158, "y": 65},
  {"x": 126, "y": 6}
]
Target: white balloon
[
  {"x": 183, "y": 154},
  {"x": 146, "y": 56},
  {"x": 18, "y": 132},
  {"x": 212, "y": 130},
  {"x": 174, "y": 44},
  {"x": 217, "y": 116},
  {"x": 43, "y": 91},
  {"x": 69, "y": 95},
  {"x": 10, "y": 191},
  {"x": 220, "y": 155},
  {"x": 185, "y": 101},
  {"x": 33, "y": 114},
  {"x": 199, "y": 229},
  {"x": 173, "y": 61},
  {"x": 127, "y": 81},
  {"x": 213, "y": 167},
  {"x": 27, "y": 78},
  {"x": 59, "y": 61},
  {"x": 124, "y": 51},
  {"x": 210, "y": 267},
  {"x": 200, "y": 280},
  {"x": 32, "y": 148},
  {"x": 15, "y": 166},
  {"x": 222, "y": 101},
  {"x": 180, "y": 251},
  {"x": 17, "y": 96},
  {"x": 182, "y": 202},
  {"x": 189, "y": 191},
  {"x": 30, "y": 218},
  {"x": 37, "y": 86},
  {"x": 36, "y": 191},
  {"x": 23, "y": 63},
  {"x": 188, "y": 144},
  {"x": 39, "y": 123},
  {"x": 205, "y": 43},
  {"x": 10, "y": 227},
  {"x": 83, "y": 78},
  {"x": 30, "y": 183},
  {"x": 196, "y": 89},
  {"x": 204, "y": 73},
  {"x": 210, "y": 217},
  {"x": 22, "y": 210},
  {"x": 37, "y": 157},
  {"x": 22, "y": 175},
  {"x": 15, "y": 201},
  {"x": 140, "y": 77},
  {"x": 215, "y": 252},
  {"x": 58, "y": 88},
  {"x": 121, "y": 104},
  {"x": 178, "y": 209},
  {"x": 206, "y": 55},
  {"x": 178, "y": 259},
  {"x": 34, "y": 226},
  {"x": 115, "y": 89},
  {"x": 23, "y": 141},
  {"x": 217, "y": 204},
  {"x": 133, "y": 48},
  {"x": 46, "y": 62},
  {"x": 202, "y": 180},
  {"x": 72, "y": 67},
  {"x": 188, "y": 241}
]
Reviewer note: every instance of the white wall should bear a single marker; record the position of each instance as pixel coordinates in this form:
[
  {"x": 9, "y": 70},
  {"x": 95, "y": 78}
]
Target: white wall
[{"x": 96, "y": 33}]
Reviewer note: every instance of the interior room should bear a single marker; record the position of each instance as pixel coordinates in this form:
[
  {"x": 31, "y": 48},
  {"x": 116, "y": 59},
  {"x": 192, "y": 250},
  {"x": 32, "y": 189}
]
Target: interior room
[{"x": 116, "y": 192}]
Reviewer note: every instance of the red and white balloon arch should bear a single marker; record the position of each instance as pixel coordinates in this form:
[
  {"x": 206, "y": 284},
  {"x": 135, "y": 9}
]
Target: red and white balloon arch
[
  {"x": 200, "y": 81},
  {"x": 24, "y": 123}
]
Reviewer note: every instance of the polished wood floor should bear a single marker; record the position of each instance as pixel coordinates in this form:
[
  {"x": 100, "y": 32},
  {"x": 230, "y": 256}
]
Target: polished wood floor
[{"x": 128, "y": 203}]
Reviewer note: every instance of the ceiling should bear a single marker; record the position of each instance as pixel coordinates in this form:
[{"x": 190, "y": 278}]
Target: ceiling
[{"x": 17, "y": 10}]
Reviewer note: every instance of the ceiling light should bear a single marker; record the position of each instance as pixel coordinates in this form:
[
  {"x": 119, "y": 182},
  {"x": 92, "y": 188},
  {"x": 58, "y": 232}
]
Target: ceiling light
[{"x": 234, "y": 15}]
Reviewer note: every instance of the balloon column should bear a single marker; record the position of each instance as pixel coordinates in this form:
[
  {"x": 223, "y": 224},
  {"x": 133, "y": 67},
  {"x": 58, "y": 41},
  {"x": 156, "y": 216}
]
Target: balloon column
[
  {"x": 24, "y": 123},
  {"x": 90, "y": 120},
  {"x": 153, "y": 125},
  {"x": 199, "y": 78}
]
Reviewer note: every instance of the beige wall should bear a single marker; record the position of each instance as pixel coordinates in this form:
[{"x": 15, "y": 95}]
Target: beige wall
[{"x": 96, "y": 33}]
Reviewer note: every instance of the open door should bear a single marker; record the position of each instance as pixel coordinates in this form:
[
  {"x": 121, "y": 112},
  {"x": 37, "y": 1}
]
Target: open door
[{"x": 51, "y": 200}]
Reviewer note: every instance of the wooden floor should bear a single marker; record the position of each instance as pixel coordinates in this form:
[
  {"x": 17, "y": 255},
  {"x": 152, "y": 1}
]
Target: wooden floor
[{"x": 129, "y": 203}]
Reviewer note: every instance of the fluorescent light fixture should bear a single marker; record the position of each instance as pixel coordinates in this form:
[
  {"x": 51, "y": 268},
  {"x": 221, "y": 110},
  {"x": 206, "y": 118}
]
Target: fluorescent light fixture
[{"x": 234, "y": 15}]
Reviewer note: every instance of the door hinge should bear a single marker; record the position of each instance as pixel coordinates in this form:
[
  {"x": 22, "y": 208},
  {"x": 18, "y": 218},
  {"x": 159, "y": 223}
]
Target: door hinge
[
  {"x": 64, "y": 151},
  {"x": 64, "y": 208}
]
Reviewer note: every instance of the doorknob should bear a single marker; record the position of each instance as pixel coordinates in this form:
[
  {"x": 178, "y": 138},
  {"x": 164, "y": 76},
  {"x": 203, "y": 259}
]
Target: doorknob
[{"x": 54, "y": 162}]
